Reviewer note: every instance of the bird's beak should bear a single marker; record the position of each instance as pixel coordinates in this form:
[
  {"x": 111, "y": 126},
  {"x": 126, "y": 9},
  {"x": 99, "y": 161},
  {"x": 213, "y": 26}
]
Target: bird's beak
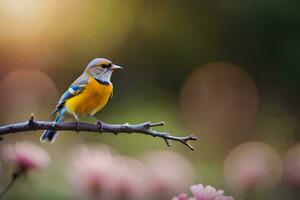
[{"x": 116, "y": 67}]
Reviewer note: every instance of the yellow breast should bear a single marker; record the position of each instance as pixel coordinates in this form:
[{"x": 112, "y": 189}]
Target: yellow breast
[{"x": 91, "y": 100}]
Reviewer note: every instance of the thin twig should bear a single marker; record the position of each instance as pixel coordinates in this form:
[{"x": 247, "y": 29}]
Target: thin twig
[
  {"x": 145, "y": 128},
  {"x": 13, "y": 179}
]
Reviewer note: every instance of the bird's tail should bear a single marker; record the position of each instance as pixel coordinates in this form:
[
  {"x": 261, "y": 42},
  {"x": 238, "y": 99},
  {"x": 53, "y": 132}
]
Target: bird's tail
[{"x": 50, "y": 135}]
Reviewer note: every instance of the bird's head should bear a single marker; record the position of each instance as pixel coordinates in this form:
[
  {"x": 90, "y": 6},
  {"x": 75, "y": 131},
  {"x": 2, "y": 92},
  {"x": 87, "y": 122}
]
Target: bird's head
[{"x": 101, "y": 69}]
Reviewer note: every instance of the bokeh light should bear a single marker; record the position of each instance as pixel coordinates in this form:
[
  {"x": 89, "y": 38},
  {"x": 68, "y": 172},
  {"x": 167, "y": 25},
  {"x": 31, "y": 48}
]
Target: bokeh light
[
  {"x": 25, "y": 19},
  {"x": 26, "y": 92},
  {"x": 252, "y": 166},
  {"x": 219, "y": 98},
  {"x": 292, "y": 166}
]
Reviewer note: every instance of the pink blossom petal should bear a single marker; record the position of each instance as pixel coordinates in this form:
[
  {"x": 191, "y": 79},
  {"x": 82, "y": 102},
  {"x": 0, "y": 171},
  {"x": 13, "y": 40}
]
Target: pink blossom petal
[
  {"x": 207, "y": 193},
  {"x": 197, "y": 190},
  {"x": 182, "y": 196}
]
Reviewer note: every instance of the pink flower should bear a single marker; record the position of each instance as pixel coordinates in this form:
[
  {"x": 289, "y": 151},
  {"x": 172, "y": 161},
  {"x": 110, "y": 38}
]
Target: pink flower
[
  {"x": 90, "y": 172},
  {"x": 26, "y": 156},
  {"x": 182, "y": 196},
  {"x": 201, "y": 192},
  {"x": 205, "y": 193}
]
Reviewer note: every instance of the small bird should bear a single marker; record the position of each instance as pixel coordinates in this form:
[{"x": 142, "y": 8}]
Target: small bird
[{"x": 87, "y": 95}]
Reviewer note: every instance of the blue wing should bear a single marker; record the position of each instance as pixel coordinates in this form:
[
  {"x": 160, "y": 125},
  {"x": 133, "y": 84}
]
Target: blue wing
[
  {"x": 76, "y": 88},
  {"x": 71, "y": 92}
]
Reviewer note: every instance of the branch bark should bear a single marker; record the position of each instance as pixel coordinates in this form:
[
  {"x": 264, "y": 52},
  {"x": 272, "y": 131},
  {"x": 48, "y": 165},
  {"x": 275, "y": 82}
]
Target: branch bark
[{"x": 144, "y": 128}]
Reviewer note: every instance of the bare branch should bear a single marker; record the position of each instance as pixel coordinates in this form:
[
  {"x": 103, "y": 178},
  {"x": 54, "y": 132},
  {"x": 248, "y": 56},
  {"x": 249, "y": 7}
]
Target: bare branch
[{"x": 145, "y": 128}]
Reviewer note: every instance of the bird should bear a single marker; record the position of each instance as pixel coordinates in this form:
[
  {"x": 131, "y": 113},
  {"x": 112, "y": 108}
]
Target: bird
[{"x": 86, "y": 96}]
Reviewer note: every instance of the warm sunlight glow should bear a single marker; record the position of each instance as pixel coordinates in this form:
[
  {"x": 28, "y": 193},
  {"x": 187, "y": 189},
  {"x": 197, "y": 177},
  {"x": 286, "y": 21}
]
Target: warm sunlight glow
[{"x": 25, "y": 18}]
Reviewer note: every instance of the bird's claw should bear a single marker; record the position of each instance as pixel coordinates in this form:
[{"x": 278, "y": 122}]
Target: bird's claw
[
  {"x": 100, "y": 126},
  {"x": 54, "y": 124}
]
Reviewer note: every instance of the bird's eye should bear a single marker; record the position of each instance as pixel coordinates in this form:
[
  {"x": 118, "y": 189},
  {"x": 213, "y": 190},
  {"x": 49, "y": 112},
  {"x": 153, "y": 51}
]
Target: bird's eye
[{"x": 105, "y": 65}]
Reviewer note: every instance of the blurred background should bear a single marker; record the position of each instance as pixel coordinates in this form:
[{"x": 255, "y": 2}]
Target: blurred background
[{"x": 226, "y": 71}]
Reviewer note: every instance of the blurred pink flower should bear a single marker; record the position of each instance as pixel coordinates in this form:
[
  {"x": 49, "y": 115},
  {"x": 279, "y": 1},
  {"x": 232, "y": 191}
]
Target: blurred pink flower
[
  {"x": 291, "y": 166},
  {"x": 26, "y": 156},
  {"x": 222, "y": 197},
  {"x": 128, "y": 177},
  {"x": 168, "y": 173},
  {"x": 90, "y": 171},
  {"x": 201, "y": 192},
  {"x": 252, "y": 165}
]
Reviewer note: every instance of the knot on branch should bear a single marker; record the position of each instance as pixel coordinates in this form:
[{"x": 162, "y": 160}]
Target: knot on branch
[{"x": 31, "y": 120}]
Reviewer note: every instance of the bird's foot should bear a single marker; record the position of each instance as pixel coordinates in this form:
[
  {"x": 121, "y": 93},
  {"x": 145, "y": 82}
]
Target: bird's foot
[
  {"x": 100, "y": 124},
  {"x": 54, "y": 124}
]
